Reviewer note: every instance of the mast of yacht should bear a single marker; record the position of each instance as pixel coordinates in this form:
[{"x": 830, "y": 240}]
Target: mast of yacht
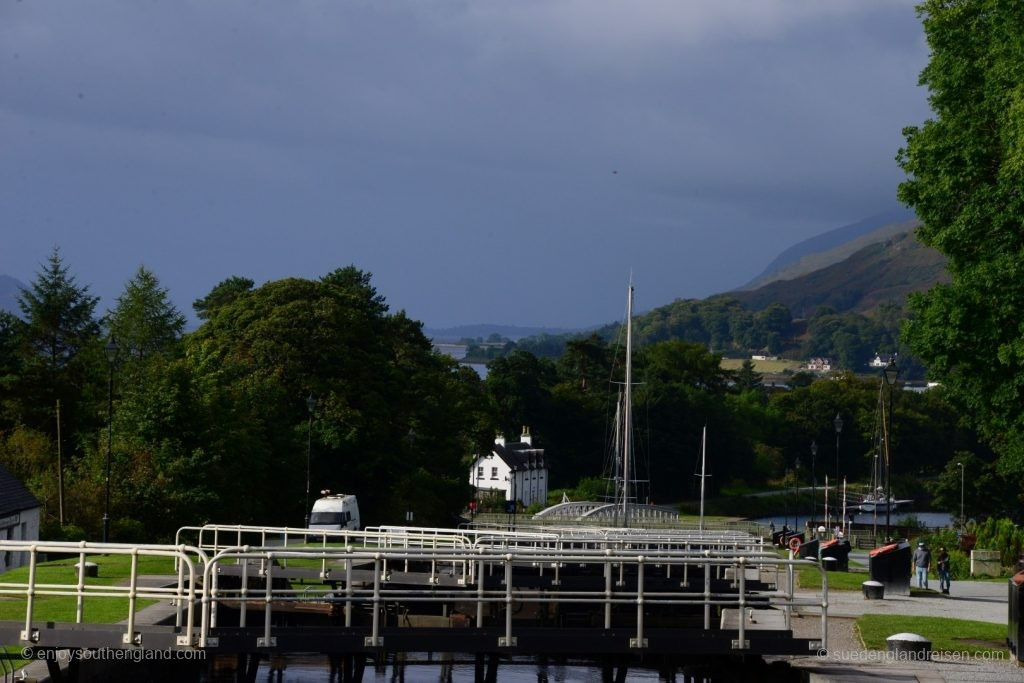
[
  {"x": 703, "y": 462},
  {"x": 627, "y": 409},
  {"x": 616, "y": 469}
]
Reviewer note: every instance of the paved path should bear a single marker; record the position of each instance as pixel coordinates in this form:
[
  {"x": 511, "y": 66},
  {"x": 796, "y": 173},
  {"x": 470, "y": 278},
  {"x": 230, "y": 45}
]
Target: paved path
[
  {"x": 848, "y": 661},
  {"x": 975, "y": 600}
]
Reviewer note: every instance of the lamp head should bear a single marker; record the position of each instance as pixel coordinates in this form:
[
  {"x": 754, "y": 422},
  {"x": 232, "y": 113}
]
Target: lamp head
[
  {"x": 838, "y": 423},
  {"x": 891, "y": 372},
  {"x": 311, "y": 402},
  {"x": 111, "y": 349}
]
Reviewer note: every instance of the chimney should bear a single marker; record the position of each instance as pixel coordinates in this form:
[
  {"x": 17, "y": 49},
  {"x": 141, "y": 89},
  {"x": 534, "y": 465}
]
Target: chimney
[
  {"x": 526, "y": 438},
  {"x": 499, "y": 439}
]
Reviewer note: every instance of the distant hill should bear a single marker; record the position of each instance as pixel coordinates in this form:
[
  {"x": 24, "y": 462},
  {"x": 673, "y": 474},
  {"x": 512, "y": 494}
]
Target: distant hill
[
  {"x": 880, "y": 272},
  {"x": 875, "y": 267},
  {"x": 833, "y": 246},
  {"x": 9, "y": 291},
  {"x": 454, "y": 334}
]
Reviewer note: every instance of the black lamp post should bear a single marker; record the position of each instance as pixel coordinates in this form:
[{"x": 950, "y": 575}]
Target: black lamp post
[
  {"x": 110, "y": 350},
  {"x": 962, "y": 519},
  {"x": 310, "y": 405},
  {"x": 796, "y": 493},
  {"x": 838, "y": 424},
  {"x": 814, "y": 481},
  {"x": 891, "y": 373}
]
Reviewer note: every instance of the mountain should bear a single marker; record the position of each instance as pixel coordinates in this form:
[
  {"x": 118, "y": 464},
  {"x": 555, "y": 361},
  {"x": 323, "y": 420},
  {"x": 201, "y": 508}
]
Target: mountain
[
  {"x": 833, "y": 246},
  {"x": 880, "y": 272},
  {"x": 9, "y": 291}
]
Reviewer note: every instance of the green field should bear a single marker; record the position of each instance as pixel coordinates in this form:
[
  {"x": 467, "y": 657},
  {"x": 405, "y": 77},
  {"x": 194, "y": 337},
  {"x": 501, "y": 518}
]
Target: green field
[{"x": 766, "y": 367}]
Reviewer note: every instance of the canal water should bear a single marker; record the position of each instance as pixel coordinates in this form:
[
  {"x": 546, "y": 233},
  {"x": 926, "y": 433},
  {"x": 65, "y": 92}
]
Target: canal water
[
  {"x": 315, "y": 668},
  {"x": 931, "y": 520}
]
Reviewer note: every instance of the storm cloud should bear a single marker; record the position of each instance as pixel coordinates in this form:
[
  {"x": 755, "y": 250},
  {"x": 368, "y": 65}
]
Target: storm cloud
[{"x": 487, "y": 161}]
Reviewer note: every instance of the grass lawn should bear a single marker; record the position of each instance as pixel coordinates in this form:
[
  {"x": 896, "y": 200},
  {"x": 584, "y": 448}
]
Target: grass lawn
[
  {"x": 809, "y": 578},
  {"x": 113, "y": 569},
  {"x": 947, "y": 635}
]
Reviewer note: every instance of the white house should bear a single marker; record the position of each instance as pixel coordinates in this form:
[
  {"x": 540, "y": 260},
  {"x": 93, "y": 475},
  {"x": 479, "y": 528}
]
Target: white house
[
  {"x": 19, "y": 517},
  {"x": 877, "y": 362},
  {"x": 819, "y": 365},
  {"x": 515, "y": 469}
]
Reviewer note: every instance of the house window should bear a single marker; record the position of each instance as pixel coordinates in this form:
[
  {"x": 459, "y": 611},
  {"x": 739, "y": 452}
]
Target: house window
[
  {"x": 494, "y": 473},
  {"x": 480, "y": 472}
]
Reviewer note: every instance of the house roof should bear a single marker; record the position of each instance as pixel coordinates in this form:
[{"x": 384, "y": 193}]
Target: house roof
[
  {"x": 14, "y": 497},
  {"x": 520, "y": 455}
]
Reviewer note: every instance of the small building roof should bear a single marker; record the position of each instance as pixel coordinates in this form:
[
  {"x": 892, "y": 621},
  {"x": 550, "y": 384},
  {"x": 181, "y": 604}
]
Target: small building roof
[
  {"x": 520, "y": 455},
  {"x": 14, "y": 497}
]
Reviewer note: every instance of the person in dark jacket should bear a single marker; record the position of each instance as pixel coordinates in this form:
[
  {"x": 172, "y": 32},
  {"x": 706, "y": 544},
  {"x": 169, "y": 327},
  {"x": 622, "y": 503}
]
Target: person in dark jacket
[{"x": 942, "y": 567}]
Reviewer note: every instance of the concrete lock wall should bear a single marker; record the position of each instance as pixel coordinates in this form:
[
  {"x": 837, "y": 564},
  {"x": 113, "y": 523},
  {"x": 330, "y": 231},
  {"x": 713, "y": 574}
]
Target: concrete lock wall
[{"x": 985, "y": 563}]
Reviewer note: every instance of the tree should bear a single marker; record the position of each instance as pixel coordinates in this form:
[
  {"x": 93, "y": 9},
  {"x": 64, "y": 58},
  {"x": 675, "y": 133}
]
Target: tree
[
  {"x": 748, "y": 379},
  {"x": 392, "y": 416},
  {"x": 984, "y": 492},
  {"x": 222, "y": 294},
  {"x": 144, "y": 319},
  {"x": 965, "y": 168},
  {"x": 59, "y": 316},
  {"x": 58, "y": 331}
]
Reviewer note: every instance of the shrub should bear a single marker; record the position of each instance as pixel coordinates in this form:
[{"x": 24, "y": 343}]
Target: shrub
[{"x": 1002, "y": 535}]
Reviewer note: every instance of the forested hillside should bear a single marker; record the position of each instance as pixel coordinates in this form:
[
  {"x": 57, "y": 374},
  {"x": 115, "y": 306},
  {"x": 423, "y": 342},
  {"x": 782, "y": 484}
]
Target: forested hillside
[{"x": 848, "y": 311}]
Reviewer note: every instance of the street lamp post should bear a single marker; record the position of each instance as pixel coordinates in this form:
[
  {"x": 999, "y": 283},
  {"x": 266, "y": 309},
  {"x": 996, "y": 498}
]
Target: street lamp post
[
  {"x": 796, "y": 493},
  {"x": 891, "y": 373},
  {"x": 310, "y": 405},
  {"x": 814, "y": 481},
  {"x": 962, "y": 519},
  {"x": 838, "y": 424},
  {"x": 110, "y": 350}
]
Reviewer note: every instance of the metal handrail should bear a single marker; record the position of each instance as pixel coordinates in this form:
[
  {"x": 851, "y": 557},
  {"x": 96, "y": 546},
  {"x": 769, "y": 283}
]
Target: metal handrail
[
  {"x": 184, "y": 594},
  {"x": 609, "y": 559},
  {"x": 481, "y": 560}
]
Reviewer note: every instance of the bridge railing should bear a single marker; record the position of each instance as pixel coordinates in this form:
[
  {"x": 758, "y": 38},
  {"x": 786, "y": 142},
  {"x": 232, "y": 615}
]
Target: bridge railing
[
  {"x": 186, "y": 594},
  {"x": 198, "y": 584},
  {"x": 615, "y": 566}
]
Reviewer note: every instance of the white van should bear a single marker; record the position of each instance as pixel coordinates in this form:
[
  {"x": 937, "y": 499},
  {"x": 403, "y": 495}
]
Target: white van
[{"x": 335, "y": 513}]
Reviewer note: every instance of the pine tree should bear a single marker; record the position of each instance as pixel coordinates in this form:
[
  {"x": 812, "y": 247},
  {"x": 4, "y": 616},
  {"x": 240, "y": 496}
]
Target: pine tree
[
  {"x": 57, "y": 346},
  {"x": 144, "y": 320},
  {"x": 59, "y": 316}
]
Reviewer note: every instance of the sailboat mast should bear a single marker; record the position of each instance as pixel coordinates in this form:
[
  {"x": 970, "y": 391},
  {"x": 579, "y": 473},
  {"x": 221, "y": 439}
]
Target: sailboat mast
[
  {"x": 627, "y": 409},
  {"x": 616, "y": 465},
  {"x": 703, "y": 462}
]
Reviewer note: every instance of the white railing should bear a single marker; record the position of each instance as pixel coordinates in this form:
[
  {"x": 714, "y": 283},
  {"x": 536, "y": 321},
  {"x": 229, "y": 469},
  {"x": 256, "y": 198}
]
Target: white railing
[
  {"x": 191, "y": 564},
  {"x": 614, "y": 563},
  {"x": 198, "y": 571}
]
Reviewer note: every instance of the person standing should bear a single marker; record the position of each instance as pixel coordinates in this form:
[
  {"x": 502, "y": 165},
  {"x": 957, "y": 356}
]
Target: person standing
[
  {"x": 942, "y": 566},
  {"x": 922, "y": 562}
]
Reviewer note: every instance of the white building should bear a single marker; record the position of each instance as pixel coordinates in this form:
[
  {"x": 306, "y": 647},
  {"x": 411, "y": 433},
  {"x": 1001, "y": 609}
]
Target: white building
[
  {"x": 819, "y": 365},
  {"x": 19, "y": 517},
  {"x": 515, "y": 469}
]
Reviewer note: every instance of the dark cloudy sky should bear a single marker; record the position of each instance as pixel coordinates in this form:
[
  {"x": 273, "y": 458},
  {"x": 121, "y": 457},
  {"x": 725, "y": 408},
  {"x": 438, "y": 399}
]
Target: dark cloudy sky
[{"x": 503, "y": 161}]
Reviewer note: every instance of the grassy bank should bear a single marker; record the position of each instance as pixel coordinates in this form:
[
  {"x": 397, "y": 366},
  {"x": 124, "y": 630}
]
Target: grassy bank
[
  {"x": 946, "y": 635},
  {"x": 809, "y": 578},
  {"x": 113, "y": 570}
]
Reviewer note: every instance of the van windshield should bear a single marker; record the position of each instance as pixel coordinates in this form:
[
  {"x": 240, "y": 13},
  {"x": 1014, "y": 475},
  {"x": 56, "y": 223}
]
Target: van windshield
[{"x": 329, "y": 518}]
